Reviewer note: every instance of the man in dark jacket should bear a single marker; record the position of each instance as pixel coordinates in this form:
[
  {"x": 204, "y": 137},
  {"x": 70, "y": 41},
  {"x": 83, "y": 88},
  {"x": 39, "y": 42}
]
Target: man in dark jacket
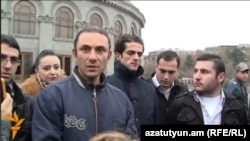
[
  {"x": 165, "y": 82},
  {"x": 22, "y": 103},
  {"x": 83, "y": 104},
  {"x": 248, "y": 115},
  {"x": 207, "y": 104},
  {"x": 128, "y": 52},
  {"x": 237, "y": 85}
]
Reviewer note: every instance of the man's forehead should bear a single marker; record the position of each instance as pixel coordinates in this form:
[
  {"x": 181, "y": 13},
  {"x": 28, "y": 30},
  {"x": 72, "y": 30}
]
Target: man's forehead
[
  {"x": 92, "y": 35},
  {"x": 204, "y": 65},
  {"x": 92, "y": 40},
  {"x": 133, "y": 46},
  {"x": 6, "y": 49}
]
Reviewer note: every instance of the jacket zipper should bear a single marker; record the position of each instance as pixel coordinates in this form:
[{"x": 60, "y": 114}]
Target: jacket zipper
[{"x": 95, "y": 100}]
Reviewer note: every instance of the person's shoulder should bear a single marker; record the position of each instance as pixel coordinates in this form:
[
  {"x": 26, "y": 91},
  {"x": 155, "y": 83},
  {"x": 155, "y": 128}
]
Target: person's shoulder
[
  {"x": 180, "y": 85},
  {"x": 113, "y": 88},
  {"x": 183, "y": 95},
  {"x": 112, "y": 78},
  {"x": 145, "y": 81},
  {"x": 61, "y": 84},
  {"x": 234, "y": 102},
  {"x": 114, "y": 91},
  {"x": 188, "y": 95},
  {"x": 28, "y": 97},
  {"x": 233, "y": 82},
  {"x": 52, "y": 91}
]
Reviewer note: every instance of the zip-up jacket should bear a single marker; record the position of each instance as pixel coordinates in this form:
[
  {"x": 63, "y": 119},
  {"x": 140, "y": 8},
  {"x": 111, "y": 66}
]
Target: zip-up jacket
[
  {"x": 72, "y": 110},
  {"x": 185, "y": 110},
  {"x": 236, "y": 89}
]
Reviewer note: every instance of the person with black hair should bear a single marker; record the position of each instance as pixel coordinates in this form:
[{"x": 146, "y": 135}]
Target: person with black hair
[
  {"x": 22, "y": 103},
  {"x": 164, "y": 79},
  {"x": 208, "y": 104},
  {"x": 83, "y": 104},
  {"x": 45, "y": 70},
  {"x": 127, "y": 77}
]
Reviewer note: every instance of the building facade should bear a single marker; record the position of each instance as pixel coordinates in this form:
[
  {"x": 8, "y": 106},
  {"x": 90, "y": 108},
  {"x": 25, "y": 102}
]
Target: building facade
[{"x": 39, "y": 25}]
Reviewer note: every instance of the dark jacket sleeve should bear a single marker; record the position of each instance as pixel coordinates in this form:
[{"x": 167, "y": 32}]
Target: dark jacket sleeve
[
  {"x": 5, "y": 130},
  {"x": 47, "y": 120}
]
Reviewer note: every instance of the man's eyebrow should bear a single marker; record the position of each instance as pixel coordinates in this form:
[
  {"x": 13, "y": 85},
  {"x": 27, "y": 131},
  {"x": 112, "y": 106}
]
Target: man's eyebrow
[
  {"x": 99, "y": 46},
  {"x": 202, "y": 69},
  {"x": 9, "y": 56},
  {"x": 84, "y": 45}
]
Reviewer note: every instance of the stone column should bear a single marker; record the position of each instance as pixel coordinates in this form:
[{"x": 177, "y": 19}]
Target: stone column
[
  {"x": 5, "y": 22},
  {"x": 46, "y": 32}
]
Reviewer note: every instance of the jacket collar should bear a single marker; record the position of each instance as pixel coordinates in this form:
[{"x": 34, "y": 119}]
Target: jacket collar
[
  {"x": 126, "y": 74},
  {"x": 241, "y": 83},
  {"x": 83, "y": 83},
  {"x": 18, "y": 97},
  {"x": 191, "y": 102},
  {"x": 228, "y": 105}
]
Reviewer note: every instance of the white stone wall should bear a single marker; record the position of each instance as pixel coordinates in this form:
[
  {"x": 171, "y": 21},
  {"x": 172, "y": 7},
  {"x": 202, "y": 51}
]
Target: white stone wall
[{"x": 82, "y": 10}]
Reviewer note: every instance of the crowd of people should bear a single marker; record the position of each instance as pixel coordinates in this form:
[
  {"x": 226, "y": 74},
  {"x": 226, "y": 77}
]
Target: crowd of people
[{"x": 87, "y": 105}]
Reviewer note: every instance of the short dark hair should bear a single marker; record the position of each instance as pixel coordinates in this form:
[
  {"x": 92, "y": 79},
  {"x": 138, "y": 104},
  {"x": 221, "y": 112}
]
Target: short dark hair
[
  {"x": 168, "y": 55},
  {"x": 41, "y": 55},
  {"x": 92, "y": 30},
  {"x": 11, "y": 41},
  {"x": 218, "y": 63},
  {"x": 126, "y": 38}
]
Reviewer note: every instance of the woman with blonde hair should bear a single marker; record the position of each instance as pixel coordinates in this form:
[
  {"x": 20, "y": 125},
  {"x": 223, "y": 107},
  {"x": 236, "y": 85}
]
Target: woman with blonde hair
[{"x": 111, "y": 136}]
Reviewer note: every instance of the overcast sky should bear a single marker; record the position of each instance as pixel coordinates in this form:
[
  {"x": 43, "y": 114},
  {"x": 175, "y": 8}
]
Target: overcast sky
[{"x": 192, "y": 25}]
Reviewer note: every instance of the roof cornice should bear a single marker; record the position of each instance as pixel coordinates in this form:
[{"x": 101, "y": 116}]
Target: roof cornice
[{"x": 128, "y": 8}]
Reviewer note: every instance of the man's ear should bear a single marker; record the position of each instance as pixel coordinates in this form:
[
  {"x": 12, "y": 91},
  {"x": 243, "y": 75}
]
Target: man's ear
[
  {"x": 110, "y": 54},
  {"x": 118, "y": 56},
  {"x": 221, "y": 77},
  {"x": 156, "y": 66},
  {"x": 74, "y": 52}
]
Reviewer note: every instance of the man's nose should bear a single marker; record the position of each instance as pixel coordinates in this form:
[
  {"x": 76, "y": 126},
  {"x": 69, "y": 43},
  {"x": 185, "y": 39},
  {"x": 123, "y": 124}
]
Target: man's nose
[
  {"x": 197, "y": 76},
  {"x": 7, "y": 64},
  {"x": 92, "y": 55},
  {"x": 166, "y": 75},
  {"x": 136, "y": 56}
]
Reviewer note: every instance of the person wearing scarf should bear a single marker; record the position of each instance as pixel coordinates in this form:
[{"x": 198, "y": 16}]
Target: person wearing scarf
[{"x": 45, "y": 70}]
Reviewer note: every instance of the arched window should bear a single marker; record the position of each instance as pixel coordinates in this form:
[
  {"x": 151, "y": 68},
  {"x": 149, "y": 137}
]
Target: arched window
[
  {"x": 64, "y": 23},
  {"x": 24, "y": 18},
  {"x": 132, "y": 31},
  {"x": 96, "y": 20},
  {"x": 118, "y": 29}
]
